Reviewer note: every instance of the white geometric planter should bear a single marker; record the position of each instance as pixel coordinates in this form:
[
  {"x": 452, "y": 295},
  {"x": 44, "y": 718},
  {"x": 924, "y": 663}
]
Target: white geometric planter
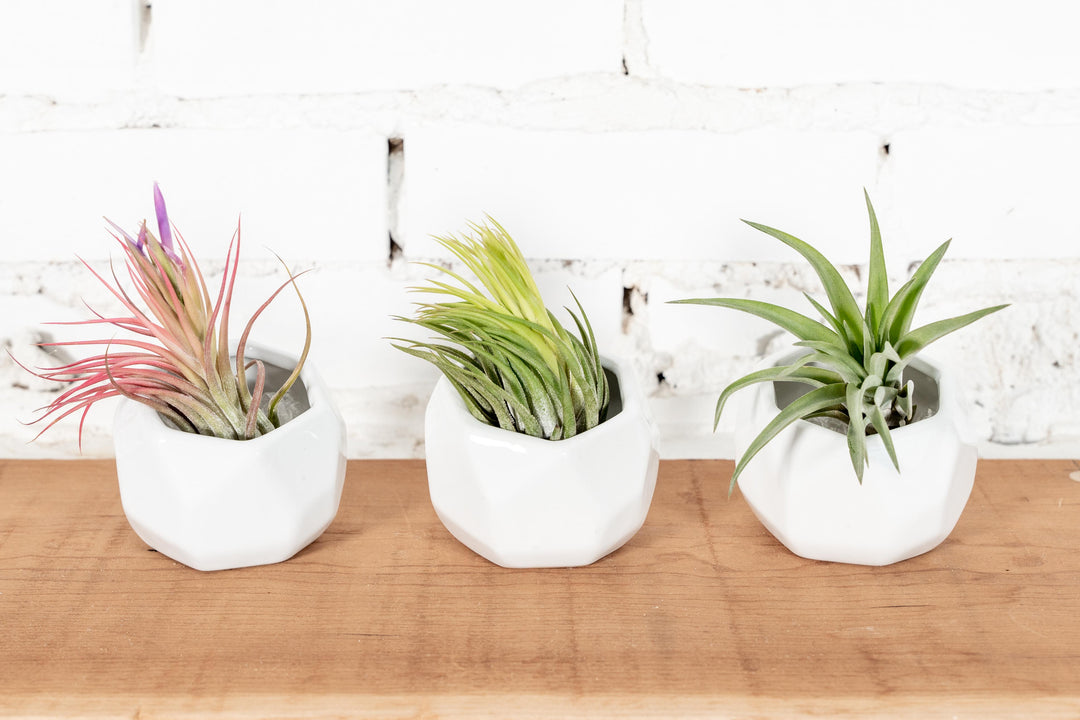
[
  {"x": 521, "y": 501},
  {"x": 802, "y": 486},
  {"x": 213, "y": 504}
]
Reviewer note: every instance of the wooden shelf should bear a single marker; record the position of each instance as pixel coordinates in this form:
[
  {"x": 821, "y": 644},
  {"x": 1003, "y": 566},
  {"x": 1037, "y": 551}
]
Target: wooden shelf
[{"x": 702, "y": 613}]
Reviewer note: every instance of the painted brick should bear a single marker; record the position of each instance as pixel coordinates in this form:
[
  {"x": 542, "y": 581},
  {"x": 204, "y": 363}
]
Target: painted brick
[
  {"x": 998, "y": 192},
  {"x": 611, "y": 184},
  {"x": 307, "y": 194},
  {"x": 381, "y": 392},
  {"x": 351, "y": 307},
  {"x": 707, "y": 347},
  {"x": 74, "y": 50},
  {"x": 789, "y": 43},
  {"x": 1017, "y": 372},
  {"x": 640, "y": 195},
  {"x": 685, "y": 425},
  {"x": 204, "y": 48},
  {"x": 349, "y": 342},
  {"x": 599, "y": 288},
  {"x": 700, "y": 350},
  {"x": 31, "y": 295}
]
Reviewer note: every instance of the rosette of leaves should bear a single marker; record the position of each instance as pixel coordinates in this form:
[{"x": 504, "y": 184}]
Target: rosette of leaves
[
  {"x": 855, "y": 358},
  {"x": 173, "y": 354},
  {"x": 511, "y": 361}
]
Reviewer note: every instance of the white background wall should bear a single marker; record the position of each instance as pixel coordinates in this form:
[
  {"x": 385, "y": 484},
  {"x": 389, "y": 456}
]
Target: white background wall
[{"x": 620, "y": 141}]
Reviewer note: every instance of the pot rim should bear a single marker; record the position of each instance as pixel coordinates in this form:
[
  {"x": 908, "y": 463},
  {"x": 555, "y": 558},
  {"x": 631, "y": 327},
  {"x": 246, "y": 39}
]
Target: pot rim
[
  {"x": 313, "y": 385},
  {"x": 757, "y": 409},
  {"x": 629, "y": 391}
]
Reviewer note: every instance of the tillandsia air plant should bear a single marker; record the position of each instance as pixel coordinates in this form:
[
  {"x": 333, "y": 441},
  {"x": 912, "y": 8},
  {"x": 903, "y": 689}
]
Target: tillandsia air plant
[
  {"x": 514, "y": 365},
  {"x": 176, "y": 357},
  {"x": 855, "y": 359}
]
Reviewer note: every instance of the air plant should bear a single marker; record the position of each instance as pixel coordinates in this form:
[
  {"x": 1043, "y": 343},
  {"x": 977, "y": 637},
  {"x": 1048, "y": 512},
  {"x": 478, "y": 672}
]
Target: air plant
[
  {"x": 855, "y": 360},
  {"x": 178, "y": 360},
  {"x": 509, "y": 358}
]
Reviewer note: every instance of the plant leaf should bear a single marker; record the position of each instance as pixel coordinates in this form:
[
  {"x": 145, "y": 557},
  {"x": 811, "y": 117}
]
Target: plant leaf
[
  {"x": 877, "y": 419},
  {"x": 825, "y": 314},
  {"x": 812, "y": 402},
  {"x": 877, "y": 284},
  {"x": 856, "y": 430},
  {"x": 809, "y": 375},
  {"x": 843, "y": 302},
  {"x": 797, "y": 324},
  {"x": 901, "y": 309},
  {"x": 547, "y": 377},
  {"x": 918, "y": 339},
  {"x": 838, "y": 358},
  {"x": 298, "y": 368}
]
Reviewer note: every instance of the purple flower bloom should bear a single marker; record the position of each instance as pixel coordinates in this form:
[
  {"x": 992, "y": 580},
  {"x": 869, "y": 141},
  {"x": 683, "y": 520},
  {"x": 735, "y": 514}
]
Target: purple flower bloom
[
  {"x": 162, "y": 219},
  {"x": 163, "y": 227}
]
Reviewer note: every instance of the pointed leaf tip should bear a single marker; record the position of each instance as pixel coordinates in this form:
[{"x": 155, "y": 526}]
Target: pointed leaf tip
[{"x": 164, "y": 230}]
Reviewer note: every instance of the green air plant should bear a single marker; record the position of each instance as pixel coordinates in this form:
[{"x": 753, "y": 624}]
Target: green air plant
[
  {"x": 855, "y": 360},
  {"x": 512, "y": 362},
  {"x": 175, "y": 357}
]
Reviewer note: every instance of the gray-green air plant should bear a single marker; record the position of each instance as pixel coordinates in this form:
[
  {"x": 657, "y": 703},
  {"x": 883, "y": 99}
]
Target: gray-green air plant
[
  {"x": 855, "y": 359},
  {"x": 513, "y": 364}
]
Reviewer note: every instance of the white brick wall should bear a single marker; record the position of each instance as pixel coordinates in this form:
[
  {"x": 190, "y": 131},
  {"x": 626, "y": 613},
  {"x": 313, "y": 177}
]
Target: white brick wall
[
  {"x": 1002, "y": 192},
  {"x": 651, "y": 194},
  {"x": 209, "y": 177},
  {"x": 68, "y": 51},
  {"x": 789, "y": 43},
  {"x": 206, "y": 48},
  {"x": 619, "y": 141}
]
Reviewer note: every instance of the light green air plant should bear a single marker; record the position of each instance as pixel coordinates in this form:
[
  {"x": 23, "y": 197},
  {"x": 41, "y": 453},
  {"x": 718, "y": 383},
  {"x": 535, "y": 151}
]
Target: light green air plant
[
  {"x": 855, "y": 361},
  {"x": 512, "y": 362}
]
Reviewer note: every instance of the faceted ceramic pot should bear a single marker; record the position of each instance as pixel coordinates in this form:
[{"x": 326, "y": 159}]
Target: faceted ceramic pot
[
  {"x": 803, "y": 488},
  {"x": 214, "y": 504},
  {"x": 521, "y": 501}
]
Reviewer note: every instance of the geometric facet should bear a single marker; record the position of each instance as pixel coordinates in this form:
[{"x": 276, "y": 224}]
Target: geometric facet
[
  {"x": 214, "y": 504},
  {"x": 521, "y": 501},
  {"x": 802, "y": 486}
]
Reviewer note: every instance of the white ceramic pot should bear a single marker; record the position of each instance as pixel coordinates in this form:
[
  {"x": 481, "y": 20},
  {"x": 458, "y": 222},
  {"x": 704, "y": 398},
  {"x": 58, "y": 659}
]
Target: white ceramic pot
[
  {"x": 521, "y": 501},
  {"x": 214, "y": 504},
  {"x": 803, "y": 488}
]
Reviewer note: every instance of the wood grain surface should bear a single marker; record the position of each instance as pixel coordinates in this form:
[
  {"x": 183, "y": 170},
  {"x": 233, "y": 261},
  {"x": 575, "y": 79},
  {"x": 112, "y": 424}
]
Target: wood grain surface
[{"x": 703, "y": 613}]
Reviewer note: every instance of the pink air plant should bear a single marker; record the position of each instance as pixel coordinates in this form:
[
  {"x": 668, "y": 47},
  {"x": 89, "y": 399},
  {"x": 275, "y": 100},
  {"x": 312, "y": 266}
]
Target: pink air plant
[{"x": 178, "y": 361}]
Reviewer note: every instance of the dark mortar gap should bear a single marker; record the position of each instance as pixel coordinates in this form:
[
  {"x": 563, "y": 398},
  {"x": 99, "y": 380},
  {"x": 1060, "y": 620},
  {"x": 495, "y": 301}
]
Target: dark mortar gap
[
  {"x": 146, "y": 12},
  {"x": 885, "y": 149},
  {"x": 395, "y": 169},
  {"x": 625, "y": 69},
  {"x": 627, "y": 301}
]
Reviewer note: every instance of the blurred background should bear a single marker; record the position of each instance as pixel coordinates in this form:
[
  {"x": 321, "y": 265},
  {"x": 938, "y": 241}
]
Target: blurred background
[{"x": 619, "y": 141}]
